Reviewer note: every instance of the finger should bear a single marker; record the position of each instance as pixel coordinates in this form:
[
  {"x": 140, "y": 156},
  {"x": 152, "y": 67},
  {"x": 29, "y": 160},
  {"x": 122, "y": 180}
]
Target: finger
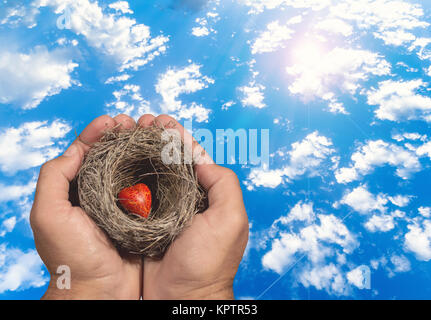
[
  {"x": 224, "y": 190},
  {"x": 146, "y": 120},
  {"x": 222, "y": 184},
  {"x": 124, "y": 121},
  {"x": 53, "y": 185}
]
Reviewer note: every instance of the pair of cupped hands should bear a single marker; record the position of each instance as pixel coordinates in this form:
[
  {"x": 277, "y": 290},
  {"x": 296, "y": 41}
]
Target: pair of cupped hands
[{"x": 200, "y": 264}]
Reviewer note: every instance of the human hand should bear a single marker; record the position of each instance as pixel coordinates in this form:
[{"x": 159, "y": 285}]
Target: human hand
[
  {"x": 65, "y": 235},
  {"x": 202, "y": 262}
]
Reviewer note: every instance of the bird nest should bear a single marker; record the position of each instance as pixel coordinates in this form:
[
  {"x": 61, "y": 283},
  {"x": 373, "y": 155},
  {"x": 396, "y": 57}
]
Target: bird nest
[{"x": 123, "y": 158}]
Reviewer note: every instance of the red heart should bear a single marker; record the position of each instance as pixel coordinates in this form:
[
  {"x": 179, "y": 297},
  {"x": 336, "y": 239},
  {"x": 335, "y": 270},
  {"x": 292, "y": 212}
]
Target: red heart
[{"x": 136, "y": 199}]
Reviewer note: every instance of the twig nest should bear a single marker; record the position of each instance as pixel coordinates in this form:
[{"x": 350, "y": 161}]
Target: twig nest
[{"x": 123, "y": 158}]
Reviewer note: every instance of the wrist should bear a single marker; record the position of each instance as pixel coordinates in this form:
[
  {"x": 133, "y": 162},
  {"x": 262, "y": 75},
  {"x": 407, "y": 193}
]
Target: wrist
[
  {"x": 83, "y": 290},
  {"x": 209, "y": 292}
]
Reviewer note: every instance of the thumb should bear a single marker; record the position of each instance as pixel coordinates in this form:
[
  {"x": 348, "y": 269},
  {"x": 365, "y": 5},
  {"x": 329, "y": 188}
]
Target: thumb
[{"x": 55, "y": 177}]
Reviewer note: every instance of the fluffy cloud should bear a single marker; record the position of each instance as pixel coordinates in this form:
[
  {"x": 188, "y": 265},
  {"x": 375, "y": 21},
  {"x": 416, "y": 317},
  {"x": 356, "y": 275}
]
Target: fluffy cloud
[
  {"x": 363, "y": 201},
  {"x": 272, "y": 39},
  {"x": 253, "y": 95},
  {"x": 314, "y": 240},
  {"x": 376, "y": 154},
  {"x": 317, "y": 240},
  {"x": 121, "y": 6},
  {"x": 7, "y": 226},
  {"x": 114, "y": 79},
  {"x": 17, "y": 12},
  {"x": 400, "y": 101},
  {"x": 20, "y": 270},
  {"x": 425, "y": 211},
  {"x": 120, "y": 37},
  {"x": 204, "y": 27},
  {"x": 176, "y": 82},
  {"x": 16, "y": 191},
  {"x": 418, "y": 240},
  {"x": 381, "y": 223},
  {"x": 30, "y": 145},
  {"x": 328, "y": 277},
  {"x": 401, "y": 263},
  {"x": 128, "y": 100},
  {"x": 325, "y": 75},
  {"x": 305, "y": 157},
  {"x": 264, "y": 178},
  {"x": 400, "y": 200},
  {"x": 335, "y": 25},
  {"x": 26, "y": 79},
  {"x": 300, "y": 212},
  {"x": 393, "y": 19}
]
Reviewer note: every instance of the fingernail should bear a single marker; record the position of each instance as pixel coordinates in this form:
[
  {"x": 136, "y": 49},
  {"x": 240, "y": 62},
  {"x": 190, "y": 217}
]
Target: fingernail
[{"x": 71, "y": 151}]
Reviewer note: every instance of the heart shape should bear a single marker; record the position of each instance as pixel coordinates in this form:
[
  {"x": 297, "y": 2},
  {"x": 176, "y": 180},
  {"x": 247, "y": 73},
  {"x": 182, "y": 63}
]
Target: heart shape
[{"x": 136, "y": 199}]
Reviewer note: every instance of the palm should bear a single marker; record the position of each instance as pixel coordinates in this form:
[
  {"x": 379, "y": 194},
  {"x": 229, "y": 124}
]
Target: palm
[
  {"x": 76, "y": 239},
  {"x": 196, "y": 258}
]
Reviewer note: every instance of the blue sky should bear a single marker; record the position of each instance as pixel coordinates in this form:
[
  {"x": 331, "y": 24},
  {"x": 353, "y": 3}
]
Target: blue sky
[{"x": 342, "y": 85}]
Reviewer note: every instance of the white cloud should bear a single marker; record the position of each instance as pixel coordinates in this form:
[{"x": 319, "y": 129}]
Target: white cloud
[
  {"x": 418, "y": 240},
  {"x": 305, "y": 157},
  {"x": 363, "y": 201},
  {"x": 381, "y": 223},
  {"x": 264, "y": 178},
  {"x": 393, "y": 21},
  {"x": 120, "y": 78},
  {"x": 273, "y": 38},
  {"x": 253, "y": 95},
  {"x": 200, "y": 31},
  {"x": 328, "y": 277},
  {"x": 409, "y": 136},
  {"x": 335, "y": 25},
  {"x": 7, "y": 226},
  {"x": 400, "y": 200},
  {"x": 26, "y": 79},
  {"x": 20, "y": 270},
  {"x": 128, "y": 100},
  {"x": 376, "y": 154},
  {"x": 176, "y": 82},
  {"x": 204, "y": 27},
  {"x": 317, "y": 73},
  {"x": 16, "y": 191},
  {"x": 300, "y": 212},
  {"x": 424, "y": 150},
  {"x": 30, "y": 145},
  {"x": 423, "y": 53},
  {"x": 425, "y": 211},
  {"x": 396, "y": 38},
  {"x": 117, "y": 36},
  {"x": 392, "y": 18},
  {"x": 400, "y": 101},
  {"x": 227, "y": 105},
  {"x": 401, "y": 263},
  {"x": 121, "y": 6},
  {"x": 17, "y": 12},
  {"x": 316, "y": 242}
]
